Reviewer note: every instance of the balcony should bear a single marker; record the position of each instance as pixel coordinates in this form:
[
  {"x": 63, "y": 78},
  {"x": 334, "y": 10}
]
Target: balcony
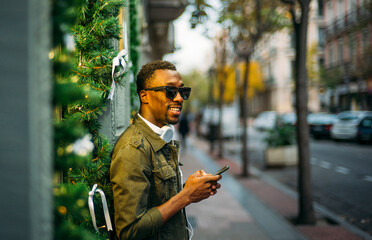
[
  {"x": 160, "y": 17},
  {"x": 338, "y": 71},
  {"x": 165, "y": 10},
  {"x": 347, "y": 22},
  {"x": 357, "y": 67}
]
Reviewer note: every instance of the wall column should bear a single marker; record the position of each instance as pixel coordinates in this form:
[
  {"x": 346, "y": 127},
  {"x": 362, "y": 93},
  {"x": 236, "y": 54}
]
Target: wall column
[{"x": 25, "y": 123}]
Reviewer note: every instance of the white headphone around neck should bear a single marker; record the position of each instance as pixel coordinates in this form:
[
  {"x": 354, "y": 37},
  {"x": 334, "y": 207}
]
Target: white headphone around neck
[{"x": 166, "y": 133}]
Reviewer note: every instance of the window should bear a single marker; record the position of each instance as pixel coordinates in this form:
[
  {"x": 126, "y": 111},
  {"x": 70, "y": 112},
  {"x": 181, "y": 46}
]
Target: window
[
  {"x": 320, "y": 8},
  {"x": 349, "y": 5},
  {"x": 321, "y": 36},
  {"x": 321, "y": 62},
  {"x": 367, "y": 123},
  {"x": 365, "y": 39},
  {"x": 340, "y": 8},
  {"x": 340, "y": 13},
  {"x": 293, "y": 40},
  {"x": 330, "y": 54},
  {"x": 292, "y": 72},
  {"x": 340, "y": 56},
  {"x": 329, "y": 17},
  {"x": 352, "y": 10},
  {"x": 352, "y": 46}
]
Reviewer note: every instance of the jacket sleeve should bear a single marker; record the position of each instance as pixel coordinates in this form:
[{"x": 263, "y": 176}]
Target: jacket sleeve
[{"x": 130, "y": 171}]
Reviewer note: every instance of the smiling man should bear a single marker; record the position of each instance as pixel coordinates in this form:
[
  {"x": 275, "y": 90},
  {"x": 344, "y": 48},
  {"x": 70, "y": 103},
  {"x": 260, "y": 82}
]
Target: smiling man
[{"x": 149, "y": 197}]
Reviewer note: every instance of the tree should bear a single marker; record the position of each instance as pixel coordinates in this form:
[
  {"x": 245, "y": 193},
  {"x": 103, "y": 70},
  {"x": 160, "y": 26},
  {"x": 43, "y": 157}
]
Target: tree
[
  {"x": 220, "y": 58},
  {"x": 299, "y": 10},
  {"x": 248, "y": 22}
]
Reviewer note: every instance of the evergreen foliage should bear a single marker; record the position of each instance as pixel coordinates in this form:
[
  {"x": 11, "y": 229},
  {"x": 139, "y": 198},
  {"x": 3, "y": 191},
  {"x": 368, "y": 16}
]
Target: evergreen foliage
[
  {"x": 68, "y": 199},
  {"x": 82, "y": 84}
]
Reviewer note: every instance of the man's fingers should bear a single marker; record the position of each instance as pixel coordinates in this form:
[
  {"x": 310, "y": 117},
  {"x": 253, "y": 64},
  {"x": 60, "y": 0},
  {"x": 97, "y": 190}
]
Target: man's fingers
[
  {"x": 215, "y": 186},
  {"x": 200, "y": 173},
  {"x": 211, "y": 178}
]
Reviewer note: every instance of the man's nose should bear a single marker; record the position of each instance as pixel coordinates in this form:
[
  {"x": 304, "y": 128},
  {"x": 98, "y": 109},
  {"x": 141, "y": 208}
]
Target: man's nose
[{"x": 178, "y": 98}]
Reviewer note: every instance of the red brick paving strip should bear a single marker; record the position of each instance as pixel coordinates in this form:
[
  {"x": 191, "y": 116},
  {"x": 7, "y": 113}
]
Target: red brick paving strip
[{"x": 327, "y": 233}]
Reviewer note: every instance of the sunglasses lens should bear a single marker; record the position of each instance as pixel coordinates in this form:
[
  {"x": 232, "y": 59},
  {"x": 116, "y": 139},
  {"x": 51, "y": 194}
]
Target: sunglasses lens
[
  {"x": 171, "y": 92},
  {"x": 185, "y": 92}
]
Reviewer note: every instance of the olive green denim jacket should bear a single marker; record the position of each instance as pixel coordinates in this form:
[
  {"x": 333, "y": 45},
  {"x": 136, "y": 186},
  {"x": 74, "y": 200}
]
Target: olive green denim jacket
[{"x": 145, "y": 174}]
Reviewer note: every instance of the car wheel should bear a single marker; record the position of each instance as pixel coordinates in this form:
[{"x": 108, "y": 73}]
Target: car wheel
[{"x": 360, "y": 140}]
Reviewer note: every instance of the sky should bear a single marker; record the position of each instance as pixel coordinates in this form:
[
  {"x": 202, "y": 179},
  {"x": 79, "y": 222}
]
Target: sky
[{"x": 194, "y": 51}]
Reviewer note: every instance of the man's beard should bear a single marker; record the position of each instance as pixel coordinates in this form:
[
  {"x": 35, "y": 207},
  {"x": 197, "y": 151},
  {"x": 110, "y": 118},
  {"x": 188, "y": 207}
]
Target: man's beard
[{"x": 169, "y": 121}]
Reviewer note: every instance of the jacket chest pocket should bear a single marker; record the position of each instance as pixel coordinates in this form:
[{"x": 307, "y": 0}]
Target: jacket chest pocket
[{"x": 165, "y": 182}]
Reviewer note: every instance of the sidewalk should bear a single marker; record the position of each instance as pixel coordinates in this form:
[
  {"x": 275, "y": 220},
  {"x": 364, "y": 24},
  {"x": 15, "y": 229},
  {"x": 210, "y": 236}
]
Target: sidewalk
[{"x": 255, "y": 208}]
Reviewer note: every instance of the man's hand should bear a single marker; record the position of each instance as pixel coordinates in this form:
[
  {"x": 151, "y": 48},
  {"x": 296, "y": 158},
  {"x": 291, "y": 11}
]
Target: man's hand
[
  {"x": 198, "y": 186},
  {"x": 201, "y": 185}
]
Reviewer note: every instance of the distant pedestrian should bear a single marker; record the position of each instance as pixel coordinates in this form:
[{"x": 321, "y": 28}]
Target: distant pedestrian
[{"x": 184, "y": 128}]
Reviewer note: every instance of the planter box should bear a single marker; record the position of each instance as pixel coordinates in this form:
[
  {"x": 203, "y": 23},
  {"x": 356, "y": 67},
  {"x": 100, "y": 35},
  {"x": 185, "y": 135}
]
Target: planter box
[{"x": 281, "y": 156}]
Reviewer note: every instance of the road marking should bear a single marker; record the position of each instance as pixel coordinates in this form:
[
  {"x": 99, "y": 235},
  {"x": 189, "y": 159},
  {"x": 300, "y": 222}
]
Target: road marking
[
  {"x": 367, "y": 178},
  {"x": 313, "y": 161},
  {"x": 324, "y": 164},
  {"x": 342, "y": 170}
]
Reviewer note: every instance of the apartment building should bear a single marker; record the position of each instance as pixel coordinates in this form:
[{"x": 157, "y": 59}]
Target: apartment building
[
  {"x": 276, "y": 55},
  {"x": 348, "y": 54}
]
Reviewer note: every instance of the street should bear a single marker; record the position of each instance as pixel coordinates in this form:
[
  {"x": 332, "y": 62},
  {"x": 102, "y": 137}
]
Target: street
[{"x": 341, "y": 175}]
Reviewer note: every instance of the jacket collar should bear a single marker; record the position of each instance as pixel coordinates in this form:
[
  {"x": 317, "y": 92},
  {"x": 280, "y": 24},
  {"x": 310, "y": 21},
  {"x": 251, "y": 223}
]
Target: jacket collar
[{"x": 153, "y": 138}]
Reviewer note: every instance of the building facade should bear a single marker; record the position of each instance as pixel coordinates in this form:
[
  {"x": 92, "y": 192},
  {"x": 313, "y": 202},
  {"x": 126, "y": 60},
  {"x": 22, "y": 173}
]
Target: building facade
[
  {"x": 348, "y": 54},
  {"x": 26, "y": 121},
  {"x": 276, "y": 55}
]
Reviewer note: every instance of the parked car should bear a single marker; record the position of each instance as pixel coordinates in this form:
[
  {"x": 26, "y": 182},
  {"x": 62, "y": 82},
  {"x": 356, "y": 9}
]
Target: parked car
[
  {"x": 346, "y": 124},
  {"x": 265, "y": 120},
  {"x": 365, "y": 129},
  {"x": 320, "y": 124},
  {"x": 231, "y": 126},
  {"x": 288, "y": 118}
]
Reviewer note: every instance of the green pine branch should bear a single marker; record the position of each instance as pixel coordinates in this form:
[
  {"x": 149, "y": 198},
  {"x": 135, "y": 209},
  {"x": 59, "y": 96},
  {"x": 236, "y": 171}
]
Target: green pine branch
[{"x": 82, "y": 84}]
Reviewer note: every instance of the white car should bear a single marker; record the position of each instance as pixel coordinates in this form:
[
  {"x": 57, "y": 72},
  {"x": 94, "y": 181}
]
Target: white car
[
  {"x": 231, "y": 127},
  {"x": 265, "y": 120},
  {"x": 346, "y": 124}
]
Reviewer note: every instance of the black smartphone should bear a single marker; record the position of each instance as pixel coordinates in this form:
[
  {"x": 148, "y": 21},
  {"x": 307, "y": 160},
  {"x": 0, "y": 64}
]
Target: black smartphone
[{"x": 219, "y": 172}]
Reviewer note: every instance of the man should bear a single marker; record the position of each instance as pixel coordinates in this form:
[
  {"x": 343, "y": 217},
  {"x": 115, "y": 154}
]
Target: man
[
  {"x": 184, "y": 128},
  {"x": 146, "y": 180}
]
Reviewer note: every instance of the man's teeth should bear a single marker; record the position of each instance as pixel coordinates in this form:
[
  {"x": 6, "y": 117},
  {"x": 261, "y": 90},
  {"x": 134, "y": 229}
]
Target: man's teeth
[{"x": 175, "y": 109}]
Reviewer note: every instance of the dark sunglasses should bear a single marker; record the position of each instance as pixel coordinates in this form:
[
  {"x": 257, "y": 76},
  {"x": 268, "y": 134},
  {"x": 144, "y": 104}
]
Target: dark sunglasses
[{"x": 171, "y": 91}]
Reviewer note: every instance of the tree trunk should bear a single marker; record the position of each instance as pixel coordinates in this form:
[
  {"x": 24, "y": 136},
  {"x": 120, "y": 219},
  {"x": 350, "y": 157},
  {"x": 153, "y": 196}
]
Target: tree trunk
[
  {"x": 306, "y": 211},
  {"x": 220, "y": 120},
  {"x": 244, "y": 108}
]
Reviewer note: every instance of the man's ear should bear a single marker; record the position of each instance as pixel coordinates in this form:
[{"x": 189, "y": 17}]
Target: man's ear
[{"x": 143, "y": 96}]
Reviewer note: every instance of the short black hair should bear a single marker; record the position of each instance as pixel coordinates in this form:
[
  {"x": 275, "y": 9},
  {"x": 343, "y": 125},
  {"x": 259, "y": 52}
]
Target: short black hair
[{"x": 147, "y": 71}]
